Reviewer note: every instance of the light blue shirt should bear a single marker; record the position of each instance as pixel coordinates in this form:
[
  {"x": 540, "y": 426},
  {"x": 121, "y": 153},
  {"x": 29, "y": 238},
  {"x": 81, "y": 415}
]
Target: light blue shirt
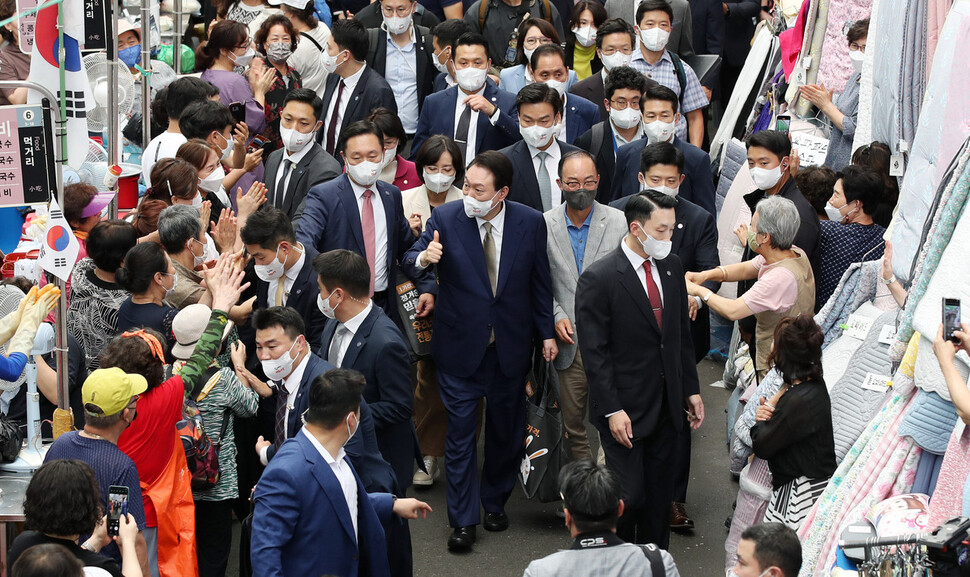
[
  {"x": 401, "y": 73},
  {"x": 577, "y": 238}
]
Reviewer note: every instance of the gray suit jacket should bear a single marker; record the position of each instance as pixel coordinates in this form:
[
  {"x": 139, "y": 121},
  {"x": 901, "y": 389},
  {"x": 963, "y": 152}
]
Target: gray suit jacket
[
  {"x": 680, "y": 42},
  {"x": 315, "y": 168},
  {"x": 606, "y": 228}
]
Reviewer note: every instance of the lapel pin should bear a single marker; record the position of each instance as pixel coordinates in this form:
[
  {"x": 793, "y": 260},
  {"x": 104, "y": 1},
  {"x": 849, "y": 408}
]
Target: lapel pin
[
  {"x": 668, "y": 273},
  {"x": 680, "y": 225},
  {"x": 493, "y": 99}
]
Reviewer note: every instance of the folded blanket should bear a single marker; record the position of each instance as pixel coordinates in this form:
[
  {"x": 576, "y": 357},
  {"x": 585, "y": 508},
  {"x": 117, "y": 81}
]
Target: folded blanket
[
  {"x": 858, "y": 286},
  {"x": 929, "y": 421}
]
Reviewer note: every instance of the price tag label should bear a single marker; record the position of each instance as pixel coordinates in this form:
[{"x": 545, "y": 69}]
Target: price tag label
[
  {"x": 877, "y": 383},
  {"x": 897, "y": 164},
  {"x": 887, "y": 335},
  {"x": 857, "y": 326}
]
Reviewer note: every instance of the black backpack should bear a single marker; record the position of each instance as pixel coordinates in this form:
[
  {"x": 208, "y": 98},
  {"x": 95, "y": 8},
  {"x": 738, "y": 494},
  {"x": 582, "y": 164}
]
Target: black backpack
[{"x": 652, "y": 553}]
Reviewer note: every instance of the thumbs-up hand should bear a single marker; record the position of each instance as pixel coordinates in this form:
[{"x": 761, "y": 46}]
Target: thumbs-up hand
[{"x": 432, "y": 254}]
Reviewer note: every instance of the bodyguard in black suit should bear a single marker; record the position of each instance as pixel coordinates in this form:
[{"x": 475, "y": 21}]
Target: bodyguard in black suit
[
  {"x": 371, "y": 17},
  {"x": 301, "y": 164},
  {"x": 631, "y": 311},
  {"x": 353, "y": 89},
  {"x": 625, "y": 88},
  {"x": 444, "y": 37},
  {"x": 535, "y": 158}
]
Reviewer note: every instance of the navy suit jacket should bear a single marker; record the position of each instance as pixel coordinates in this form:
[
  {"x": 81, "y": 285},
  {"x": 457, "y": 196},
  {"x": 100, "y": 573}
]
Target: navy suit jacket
[
  {"x": 371, "y": 92},
  {"x": 695, "y": 243},
  {"x": 302, "y": 297},
  {"x": 438, "y": 117},
  {"x": 605, "y": 159},
  {"x": 698, "y": 186},
  {"x": 302, "y": 525},
  {"x": 331, "y": 220},
  {"x": 581, "y": 115},
  {"x": 440, "y": 82},
  {"x": 466, "y": 312},
  {"x": 525, "y": 185},
  {"x": 379, "y": 352}
]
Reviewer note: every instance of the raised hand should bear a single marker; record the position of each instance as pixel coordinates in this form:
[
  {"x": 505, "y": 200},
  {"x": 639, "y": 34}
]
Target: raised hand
[{"x": 432, "y": 254}]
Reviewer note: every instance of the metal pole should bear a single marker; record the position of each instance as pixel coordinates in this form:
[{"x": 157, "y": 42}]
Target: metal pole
[
  {"x": 114, "y": 132},
  {"x": 60, "y": 159},
  {"x": 146, "y": 80},
  {"x": 177, "y": 41}
]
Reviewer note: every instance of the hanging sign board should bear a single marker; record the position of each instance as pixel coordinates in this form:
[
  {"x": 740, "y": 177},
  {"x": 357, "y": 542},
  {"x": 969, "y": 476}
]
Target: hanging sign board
[
  {"x": 26, "y": 155},
  {"x": 96, "y": 32},
  {"x": 26, "y": 24}
]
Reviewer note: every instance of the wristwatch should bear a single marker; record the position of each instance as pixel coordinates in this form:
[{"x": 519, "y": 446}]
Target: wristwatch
[{"x": 889, "y": 280}]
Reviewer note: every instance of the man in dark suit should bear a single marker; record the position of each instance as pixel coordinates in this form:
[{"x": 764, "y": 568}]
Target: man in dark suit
[
  {"x": 548, "y": 66},
  {"x": 476, "y": 113},
  {"x": 496, "y": 302},
  {"x": 444, "y": 37},
  {"x": 615, "y": 41},
  {"x": 301, "y": 164},
  {"x": 695, "y": 243},
  {"x": 372, "y": 16},
  {"x": 535, "y": 158},
  {"x": 353, "y": 88},
  {"x": 624, "y": 90},
  {"x": 740, "y": 19},
  {"x": 313, "y": 515},
  {"x": 343, "y": 213},
  {"x": 284, "y": 268},
  {"x": 401, "y": 52},
  {"x": 631, "y": 310},
  {"x": 659, "y": 108}
]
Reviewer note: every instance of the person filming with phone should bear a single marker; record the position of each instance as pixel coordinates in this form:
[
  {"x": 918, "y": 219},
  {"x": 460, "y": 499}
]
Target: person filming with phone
[{"x": 952, "y": 337}]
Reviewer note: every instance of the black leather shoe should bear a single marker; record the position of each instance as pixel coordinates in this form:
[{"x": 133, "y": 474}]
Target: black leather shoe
[
  {"x": 461, "y": 539},
  {"x": 496, "y": 521}
]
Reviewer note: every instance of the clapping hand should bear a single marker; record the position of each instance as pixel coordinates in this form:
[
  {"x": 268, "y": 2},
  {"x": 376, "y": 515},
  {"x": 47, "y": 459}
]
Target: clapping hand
[
  {"x": 224, "y": 281},
  {"x": 250, "y": 202},
  {"x": 224, "y": 231}
]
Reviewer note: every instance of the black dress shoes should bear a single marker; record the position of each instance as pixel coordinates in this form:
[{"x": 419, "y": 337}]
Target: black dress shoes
[
  {"x": 462, "y": 539},
  {"x": 496, "y": 521}
]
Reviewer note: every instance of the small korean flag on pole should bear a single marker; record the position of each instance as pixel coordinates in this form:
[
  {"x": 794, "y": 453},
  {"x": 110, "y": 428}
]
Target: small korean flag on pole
[{"x": 59, "y": 249}]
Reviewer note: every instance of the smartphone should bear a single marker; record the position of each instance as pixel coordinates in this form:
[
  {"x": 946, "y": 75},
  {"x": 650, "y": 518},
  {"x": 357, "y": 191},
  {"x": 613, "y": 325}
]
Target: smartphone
[
  {"x": 256, "y": 143},
  {"x": 117, "y": 506},
  {"x": 238, "y": 110},
  {"x": 951, "y": 319},
  {"x": 783, "y": 123}
]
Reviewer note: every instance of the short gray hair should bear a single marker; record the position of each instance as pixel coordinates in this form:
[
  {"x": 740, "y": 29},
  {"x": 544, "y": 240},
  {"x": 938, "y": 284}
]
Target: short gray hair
[
  {"x": 176, "y": 225},
  {"x": 778, "y": 217}
]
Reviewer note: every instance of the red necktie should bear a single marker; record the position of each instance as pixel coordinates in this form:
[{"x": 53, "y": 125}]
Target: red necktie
[
  {"x": 367, "y": 226},
  {"x": 654, "y": 293}
]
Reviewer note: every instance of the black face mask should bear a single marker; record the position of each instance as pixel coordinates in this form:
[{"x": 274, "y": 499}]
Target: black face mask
[{"x": 579, "y": 199}]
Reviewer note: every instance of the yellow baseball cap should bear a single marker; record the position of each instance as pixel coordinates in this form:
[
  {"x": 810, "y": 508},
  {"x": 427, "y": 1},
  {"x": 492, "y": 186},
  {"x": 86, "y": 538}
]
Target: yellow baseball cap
[{"x": 110, "y": 391}]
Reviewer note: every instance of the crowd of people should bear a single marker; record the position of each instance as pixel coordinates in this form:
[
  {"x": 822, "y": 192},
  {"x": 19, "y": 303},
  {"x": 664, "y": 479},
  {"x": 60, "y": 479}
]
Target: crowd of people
[{"x": 529, "y": 177}]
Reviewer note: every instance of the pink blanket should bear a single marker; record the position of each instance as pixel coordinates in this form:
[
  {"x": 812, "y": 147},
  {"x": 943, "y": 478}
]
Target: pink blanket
[{"x": 836, "y": 67}]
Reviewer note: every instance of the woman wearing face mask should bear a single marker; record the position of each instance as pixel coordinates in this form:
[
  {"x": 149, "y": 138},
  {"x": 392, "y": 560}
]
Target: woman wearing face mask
[
  {"x": 531, "y": 33},
  {"x": 396, "y": 169},
  {"x": 205, "y": 159},
  {"x": 276, "y": 39},
  {"x": 842, "y": 113},
  {"x": 785, "y": 284},
  {"x": 850, "y": 235},
  {"x": 148, "y": 274},
  {"x": 229, "y": 46},
  {"x": 580, "y": 47},
  {"x": 306, "y": 59}
]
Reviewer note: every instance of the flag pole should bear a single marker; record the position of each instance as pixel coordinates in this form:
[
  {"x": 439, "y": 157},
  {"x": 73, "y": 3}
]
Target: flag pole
[
  {"x": 146, "y": 80},
  {"x": 60, "y": 318},
  {"x": 177, "y": 41},
  {"x": 114, "y": 132}
]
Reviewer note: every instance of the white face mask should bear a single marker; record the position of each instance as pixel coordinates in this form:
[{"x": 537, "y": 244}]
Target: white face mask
[
  {"x": 227, "y": 150},
  {"x": 330, "y": 62},
  {"x": 585, "y": 36},
  {"x": 397, "y": 24},
  {"x": 436, "y": 60},
  {"x": 477, "y": 208},
  {"x": 437, "y": 182},
  {"x": 658, "y": 249},
  {"x": 364, "y": 173},
  {"x": 175, "y": 282},
  {"x": 294, "y": 140},
  {"x": 664, "y": 189},
  {"x": 835, "y": 214},
  {"x": 279, "y": 369},
  {"x": 271, "y": 271},
  {"x": 243, "y": 60},
  {"x": 654, "y": 39},
  {"x": 213, "y": 182},
  {"x": 471, "y": 79},
  {"x": 857, "y": 57},
  {"x": 197, "y": 201},
  {"x": 557, "y": 85},
  {"x": 765, "y": 178},
  {"x": 629, "y": 117},
  {"x": 528, "y": 54},
  {"x": 350, "y": 434},
  {"x": 197, "y": 260},
  {"x": 659, "y": 131},
  {"x": 324, "y": 305},
  {"x": 538, "y": 136},
  {"x": 389, "y": 155},
  {"x": 611, "y": 61}
]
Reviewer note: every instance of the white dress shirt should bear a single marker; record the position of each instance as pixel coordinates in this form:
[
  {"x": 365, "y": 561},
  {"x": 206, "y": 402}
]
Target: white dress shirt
[
  {"x": 552, "y": 167},
  {"x": 291, "y": 385},
  {"x": 294, "y": 159},
  {"x": 346, "y": 331},
  {"x": 472, "y": 142},
  {"x": 401, "y": 73},
  {"x": 380, "y": 231},
  {"x": 636, "y": 261},
  {"x": 288, "y": 278},
  {"x": 350, "y": 83},
  {"x": 345, "y": 476}
]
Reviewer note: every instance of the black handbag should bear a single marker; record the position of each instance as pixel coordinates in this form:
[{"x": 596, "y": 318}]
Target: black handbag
[
  {"x": 11, "y": 440},
  {"x": 544, "y": 448}
]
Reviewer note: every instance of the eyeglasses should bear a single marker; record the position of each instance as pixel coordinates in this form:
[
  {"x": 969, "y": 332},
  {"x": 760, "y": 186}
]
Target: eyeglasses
[
  {"x": 612, "y": 51},
  {"x": 859, "y": 47},
  {"x": 535, "y": 41},
  {"x": 623, "y": 103},
  {"x": 588, "y": 184}
]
